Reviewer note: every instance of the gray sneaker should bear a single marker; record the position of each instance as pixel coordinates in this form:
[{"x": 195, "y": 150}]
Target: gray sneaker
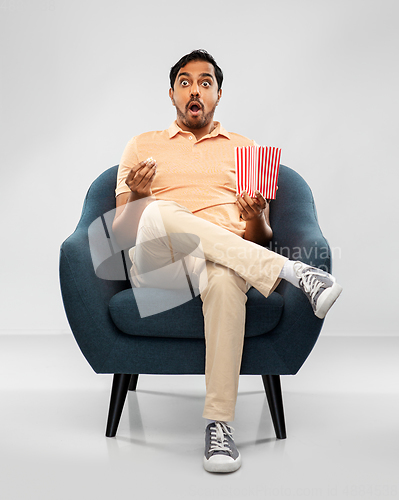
[
  {"x": 221, "y": 454},
  {"x": 319, "y": 286}
]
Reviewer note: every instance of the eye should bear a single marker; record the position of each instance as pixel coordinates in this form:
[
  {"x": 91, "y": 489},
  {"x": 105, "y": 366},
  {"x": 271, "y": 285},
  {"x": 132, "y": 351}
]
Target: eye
[
  {"x": 184, "y": 83},
  {"x": 206, "y": 84}
]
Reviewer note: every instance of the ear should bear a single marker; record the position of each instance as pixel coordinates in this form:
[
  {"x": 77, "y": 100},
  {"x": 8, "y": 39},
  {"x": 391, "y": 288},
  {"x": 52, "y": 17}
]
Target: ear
[
  {"x": 219, "y": 96},
  {"x": 171, "y": 96}
]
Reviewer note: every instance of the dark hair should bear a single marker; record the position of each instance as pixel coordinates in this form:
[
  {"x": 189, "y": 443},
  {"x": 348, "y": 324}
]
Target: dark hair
[{"x": 195, "y": 55}]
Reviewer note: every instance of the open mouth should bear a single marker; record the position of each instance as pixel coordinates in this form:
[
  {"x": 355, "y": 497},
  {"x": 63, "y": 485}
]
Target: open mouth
[{"x": 194, "y": 108}]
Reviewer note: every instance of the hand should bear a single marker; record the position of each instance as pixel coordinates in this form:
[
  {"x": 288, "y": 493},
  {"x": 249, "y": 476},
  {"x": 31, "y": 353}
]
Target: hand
[
  {"x": 251, "y": 208},
  {"x": 140, "y": 178}
]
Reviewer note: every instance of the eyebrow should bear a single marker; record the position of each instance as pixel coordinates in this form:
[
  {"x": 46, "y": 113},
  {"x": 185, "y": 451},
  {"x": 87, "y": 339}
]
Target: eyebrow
[{"x": 202, "y": 74}]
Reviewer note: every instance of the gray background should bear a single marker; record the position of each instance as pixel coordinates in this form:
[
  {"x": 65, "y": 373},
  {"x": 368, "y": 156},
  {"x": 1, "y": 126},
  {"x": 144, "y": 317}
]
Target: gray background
[{"x": 317, "y": 78}]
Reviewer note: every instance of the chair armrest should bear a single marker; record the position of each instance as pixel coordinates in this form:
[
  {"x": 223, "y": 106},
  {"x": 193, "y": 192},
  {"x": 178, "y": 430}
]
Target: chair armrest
[
  {"x": 296, "y": 235},
  {"x": 86, "y": 298}
]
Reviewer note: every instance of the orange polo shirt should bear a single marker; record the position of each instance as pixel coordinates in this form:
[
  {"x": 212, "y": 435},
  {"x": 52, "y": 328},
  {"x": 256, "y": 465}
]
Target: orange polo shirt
[{"x": 199, "y": 175}]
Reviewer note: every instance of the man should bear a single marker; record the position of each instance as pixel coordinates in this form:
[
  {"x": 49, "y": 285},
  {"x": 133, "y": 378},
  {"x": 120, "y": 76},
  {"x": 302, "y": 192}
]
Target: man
[{"x": 182, "y": 207}]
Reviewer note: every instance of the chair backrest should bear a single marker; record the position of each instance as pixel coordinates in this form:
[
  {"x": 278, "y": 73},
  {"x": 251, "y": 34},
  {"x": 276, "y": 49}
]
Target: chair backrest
[
  {"x": 293, "y": 217},
  {"x": 292, "y": 213},
  {"x": 294, "y": 204},
  {"x": 100, "y": 197}
]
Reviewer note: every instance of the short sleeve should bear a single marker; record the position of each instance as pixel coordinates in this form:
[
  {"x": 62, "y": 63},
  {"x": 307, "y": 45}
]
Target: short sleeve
[{"x": 128, "y": 161}]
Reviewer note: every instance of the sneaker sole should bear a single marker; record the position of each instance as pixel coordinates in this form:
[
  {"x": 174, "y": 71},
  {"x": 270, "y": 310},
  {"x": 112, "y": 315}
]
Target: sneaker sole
[
  {"x": 327, "y": 299},
  {"x": 218, "y": 463}
]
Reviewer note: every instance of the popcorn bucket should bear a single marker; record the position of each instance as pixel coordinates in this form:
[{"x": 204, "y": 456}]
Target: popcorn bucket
[{"x": 257, "y": 169}]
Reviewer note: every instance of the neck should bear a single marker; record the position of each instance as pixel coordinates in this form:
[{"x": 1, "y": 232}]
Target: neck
[{"x": 199, "y": 133}]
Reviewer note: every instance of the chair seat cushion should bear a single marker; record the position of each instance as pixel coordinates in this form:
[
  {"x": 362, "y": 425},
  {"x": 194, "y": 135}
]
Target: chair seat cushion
[{"x": 186, "y": 320}]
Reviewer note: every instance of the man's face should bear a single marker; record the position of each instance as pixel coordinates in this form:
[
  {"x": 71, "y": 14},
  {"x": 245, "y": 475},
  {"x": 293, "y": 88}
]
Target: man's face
[{"x": 195, "y": 94}]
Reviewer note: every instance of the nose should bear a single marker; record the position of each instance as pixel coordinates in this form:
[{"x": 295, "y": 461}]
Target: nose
[{"x": 195, "y": 89}]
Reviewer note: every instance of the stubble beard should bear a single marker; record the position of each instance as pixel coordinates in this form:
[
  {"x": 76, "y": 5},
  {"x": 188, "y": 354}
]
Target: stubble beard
[{"x": 195, "y": 123}]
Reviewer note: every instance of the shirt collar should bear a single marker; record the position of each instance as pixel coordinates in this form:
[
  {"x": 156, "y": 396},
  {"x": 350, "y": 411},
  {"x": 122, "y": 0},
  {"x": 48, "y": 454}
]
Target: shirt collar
[{"x": 174, "y": 129}]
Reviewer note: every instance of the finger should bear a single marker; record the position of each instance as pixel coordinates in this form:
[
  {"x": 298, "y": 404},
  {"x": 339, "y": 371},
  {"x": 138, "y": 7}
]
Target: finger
[
  {"x": 242, "y": 205},
  {"x": 242, "y": 211},
  {"x": 149, "y": 178},
  {"x": 252, "y": 205},
  {"x": 149, "y": 164},
  {"x": 144, "y": 166},
  {"x": 245, "y": 198},
  {"x": 260, "y": 199},
  {"x": 145, "y": 174},
  {"x": 138, "y": 173},
  {"x": 139, "y": 166},
  {"x": 133, "y": 171},
  {"x": 131, "y": 174}
]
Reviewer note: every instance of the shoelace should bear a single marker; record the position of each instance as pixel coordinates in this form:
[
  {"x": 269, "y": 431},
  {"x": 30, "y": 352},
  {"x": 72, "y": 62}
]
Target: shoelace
[
  {"x": 218, "y": 437},
  {"x": 311, "y": 283}
]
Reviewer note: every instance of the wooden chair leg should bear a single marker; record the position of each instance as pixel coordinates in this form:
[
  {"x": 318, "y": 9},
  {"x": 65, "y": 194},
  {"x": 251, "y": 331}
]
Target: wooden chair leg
[
  {"x": 275, "y": 399},
  {"x": 120, "y": 387},
  {"x": 133, "y": 382}
]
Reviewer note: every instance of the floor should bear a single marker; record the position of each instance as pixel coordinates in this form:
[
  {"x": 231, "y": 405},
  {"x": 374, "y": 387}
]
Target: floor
[{"x": 342, "y": 416}]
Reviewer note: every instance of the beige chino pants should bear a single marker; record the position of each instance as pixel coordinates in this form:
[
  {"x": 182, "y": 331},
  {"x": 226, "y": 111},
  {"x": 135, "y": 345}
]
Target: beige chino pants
[{"x": 223, "y": 266}]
